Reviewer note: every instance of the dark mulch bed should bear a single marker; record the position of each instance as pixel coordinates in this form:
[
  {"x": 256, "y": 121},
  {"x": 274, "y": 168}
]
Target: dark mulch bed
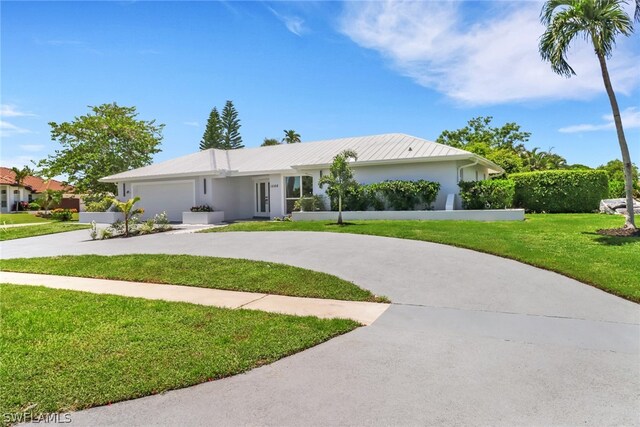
[{"x": 619, "y": 232}]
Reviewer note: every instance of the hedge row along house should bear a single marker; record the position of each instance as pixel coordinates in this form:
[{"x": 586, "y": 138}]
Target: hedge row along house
[
  {"x": 266, "y": 181},
  {"x": 30, "y": 189}
]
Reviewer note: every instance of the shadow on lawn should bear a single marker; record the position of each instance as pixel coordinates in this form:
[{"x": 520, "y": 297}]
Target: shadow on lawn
[{"x": 612, "y": 240}]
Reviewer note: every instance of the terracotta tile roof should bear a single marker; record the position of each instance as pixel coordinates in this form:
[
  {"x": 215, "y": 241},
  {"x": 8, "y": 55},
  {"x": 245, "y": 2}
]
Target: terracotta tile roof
[{"x": 36, "y": 184}]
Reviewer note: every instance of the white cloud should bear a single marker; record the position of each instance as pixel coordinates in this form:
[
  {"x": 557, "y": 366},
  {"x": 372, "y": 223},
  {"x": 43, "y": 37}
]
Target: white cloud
[
  {"x": 7, "y": 129},
  {"x": 194, "y": 124},
  {"x": 32, "y": 148},
  {"x": 492, "y": 60},
  {"x": 630, "y": 120},
  {"x": 295, "y": 24},
  {"x": 17, "y": 161},
  {"x": 9, "y": 110}
]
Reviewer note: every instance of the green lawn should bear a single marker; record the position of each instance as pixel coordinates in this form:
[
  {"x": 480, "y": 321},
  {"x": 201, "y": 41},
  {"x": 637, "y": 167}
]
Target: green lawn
[
  {"x": 565, "y": 243},
  {"x": 205, "y": 272},
  {"x": 66, "y": 350},
  {"x": 39, "y": 230},
  {"x": 20, "y": 218}
]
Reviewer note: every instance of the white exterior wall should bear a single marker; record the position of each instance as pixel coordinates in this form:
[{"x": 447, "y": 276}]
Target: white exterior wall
[
  {"x": 276, "y": 202},
  {"x": 235, "y": 196}
]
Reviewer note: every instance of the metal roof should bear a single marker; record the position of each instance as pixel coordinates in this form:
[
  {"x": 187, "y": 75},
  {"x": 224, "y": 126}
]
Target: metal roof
[{"x": 385, "y": 148}]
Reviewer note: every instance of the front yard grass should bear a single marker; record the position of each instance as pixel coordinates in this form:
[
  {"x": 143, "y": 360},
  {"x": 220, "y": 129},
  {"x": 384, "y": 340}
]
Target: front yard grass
[
  {"x": 205, "y": 272},
  {"x": 20, "y": 218},
  {"x": 564, "y": 243},
  {"x": 47, "y": 227},
  {"x": 66, "y": 350}
]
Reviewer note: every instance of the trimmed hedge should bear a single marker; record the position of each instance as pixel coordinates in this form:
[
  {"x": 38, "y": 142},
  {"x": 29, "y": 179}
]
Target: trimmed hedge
[
  {"x": 488, "y": 194},
  {"x": 397, "y": 195},
  {"x": 560, "y": 190}
]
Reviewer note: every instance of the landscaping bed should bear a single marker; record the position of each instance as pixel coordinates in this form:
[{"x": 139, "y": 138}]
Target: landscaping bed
[
  {"x": 206, "y": 272},
  {"x": 67, "y": 350},
  {"x": 564, "y": 243}
]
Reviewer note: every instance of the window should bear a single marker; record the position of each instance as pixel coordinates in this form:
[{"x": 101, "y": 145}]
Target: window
[
  {"x": 476, "y": 175},
  {"x": 461, "y": 174},
  {"x": 204, "y": 182},
  {"x": 296, "y": 187},
  {"x": 16, "y": 191},
  {"x": 123, "y": 189}
]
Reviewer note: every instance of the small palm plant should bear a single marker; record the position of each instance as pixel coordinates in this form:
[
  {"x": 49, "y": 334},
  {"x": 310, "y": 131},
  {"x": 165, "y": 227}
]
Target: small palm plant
[
  {"x": 340, "y": 178},
  {"x": 127, "y": 209}
]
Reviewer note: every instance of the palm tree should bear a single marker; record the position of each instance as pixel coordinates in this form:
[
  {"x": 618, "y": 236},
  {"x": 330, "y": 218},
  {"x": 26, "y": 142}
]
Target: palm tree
[
  {"x": 291, "y": 137},
  {"x": 21, "y": 175},
  {"x": 340, "y": 178},
  {"x": 600, "y": 22},
  {"x": 127, "y": 209}
]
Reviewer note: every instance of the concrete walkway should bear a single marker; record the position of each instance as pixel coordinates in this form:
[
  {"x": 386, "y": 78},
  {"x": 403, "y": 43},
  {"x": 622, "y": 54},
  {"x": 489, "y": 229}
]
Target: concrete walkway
[
  {"x": 470, "y": 339},
  {"x": 363, "y": 312}
]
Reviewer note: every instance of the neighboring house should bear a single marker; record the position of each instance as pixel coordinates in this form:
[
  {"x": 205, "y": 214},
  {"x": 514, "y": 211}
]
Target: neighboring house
[
  {"x": 266, "y": 181},
  {"x": 30, "y": 189}
]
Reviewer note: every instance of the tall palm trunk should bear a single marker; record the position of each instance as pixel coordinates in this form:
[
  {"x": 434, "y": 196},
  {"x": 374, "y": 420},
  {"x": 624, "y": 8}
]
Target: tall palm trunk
[
  {"x": 339, "y": 209},
  {"x": 624, "y": 148}
]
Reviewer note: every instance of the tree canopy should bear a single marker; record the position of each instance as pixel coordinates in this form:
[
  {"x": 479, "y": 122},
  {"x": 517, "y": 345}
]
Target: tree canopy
[
  {"x": 212, "y": 137},
  {"x": 291, "y": 137},
  {"x": 230, "y": 125},
  {"x": 502, "y": 145},
  {"x": 269, "y": 141},
  {"x": 108, "y": 140}
]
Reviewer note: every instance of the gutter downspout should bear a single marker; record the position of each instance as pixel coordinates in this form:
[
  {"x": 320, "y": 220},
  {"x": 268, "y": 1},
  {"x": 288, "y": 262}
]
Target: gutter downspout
[{"x": 475, "y": 162}]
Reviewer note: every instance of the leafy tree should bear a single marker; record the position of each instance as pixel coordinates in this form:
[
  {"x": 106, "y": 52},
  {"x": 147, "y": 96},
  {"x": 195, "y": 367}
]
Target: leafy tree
[
  {"x": 600, "y": 22},
  {"x": 127, "y": 209},
  {"x": 212, "y": 137},
  {"x": 340, "y": 178},
  {"x": 107, "y": 141},
  {"x": 479, "y": 132},
  {"x": 502, "y": 145},
  {"x": 21, "y": 175},
  {"x": 508, "y": 160},
  {"x": 269, "y": 141},
  {"x": 615, "y": 170},
  {"x": 50, "y": 198},
  {"x": 291, "y": 137},
  {"x": 230, "y": 127}
]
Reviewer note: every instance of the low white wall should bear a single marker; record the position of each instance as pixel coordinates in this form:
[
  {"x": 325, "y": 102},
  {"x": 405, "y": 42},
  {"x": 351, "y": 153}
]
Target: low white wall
[
  {"x": 202, "y": 217},
  {"x": 100, "y": 217},
  {"x": 461, "y": 215}
]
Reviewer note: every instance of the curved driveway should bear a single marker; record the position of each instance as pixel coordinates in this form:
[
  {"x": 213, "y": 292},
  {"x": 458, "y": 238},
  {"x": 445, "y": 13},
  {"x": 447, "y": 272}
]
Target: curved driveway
[{"x": 470, "y": 339}]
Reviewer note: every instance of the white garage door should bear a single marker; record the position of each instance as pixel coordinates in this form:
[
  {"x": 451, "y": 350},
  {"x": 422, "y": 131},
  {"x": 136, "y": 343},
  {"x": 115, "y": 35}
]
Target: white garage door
[{"x": 170, "y": 197}]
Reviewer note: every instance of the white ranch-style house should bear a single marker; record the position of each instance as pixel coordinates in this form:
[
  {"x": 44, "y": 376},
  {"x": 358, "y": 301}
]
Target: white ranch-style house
[{"x": 266, "y": 181}]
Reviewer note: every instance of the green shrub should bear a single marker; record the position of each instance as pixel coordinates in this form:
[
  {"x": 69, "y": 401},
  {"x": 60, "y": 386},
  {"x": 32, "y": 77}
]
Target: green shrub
[
  {"x": 560, "y": 190},
  {"x": 402, "y": 195},
  {"x": 310, "y": 204},
  {"x": 33, "y": 206},
  {"x": 60, "y": 214},
  {"x": 398, "y": 195},
  {"x": 102, "y": 205},
  {"x": 616, "y": 189},
  {"x": 488, "y": 194}
]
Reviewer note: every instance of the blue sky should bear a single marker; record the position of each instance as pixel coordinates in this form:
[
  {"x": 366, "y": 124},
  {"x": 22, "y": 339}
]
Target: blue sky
[{"x": 325, "y": 69}]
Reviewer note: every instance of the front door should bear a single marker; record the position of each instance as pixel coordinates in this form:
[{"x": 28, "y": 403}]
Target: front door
[{"x": 262, "y": 193}]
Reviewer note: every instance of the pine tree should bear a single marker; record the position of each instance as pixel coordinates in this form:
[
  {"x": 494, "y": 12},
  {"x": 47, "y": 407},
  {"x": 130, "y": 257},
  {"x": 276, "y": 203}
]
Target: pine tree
[
  {"x": 212, "y": 137},
  {"x": 230, "y": 126}
]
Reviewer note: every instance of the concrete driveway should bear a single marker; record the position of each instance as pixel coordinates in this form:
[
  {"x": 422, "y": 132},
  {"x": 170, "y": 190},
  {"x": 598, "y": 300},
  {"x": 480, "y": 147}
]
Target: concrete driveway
[{"x": 470, "y": 339}]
